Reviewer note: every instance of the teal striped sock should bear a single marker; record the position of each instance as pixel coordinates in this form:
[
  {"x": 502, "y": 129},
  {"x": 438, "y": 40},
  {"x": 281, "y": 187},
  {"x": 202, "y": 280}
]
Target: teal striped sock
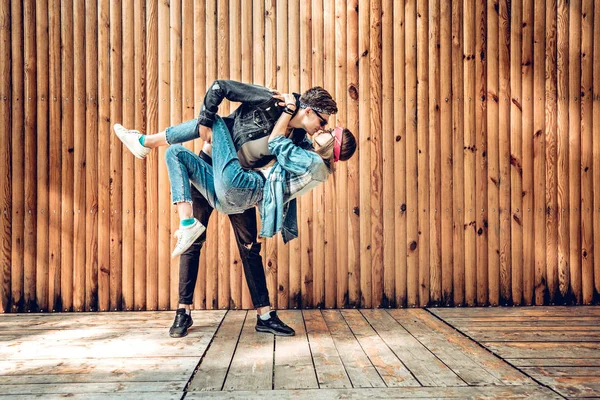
[
  {"x": 142, "y": 140},
  {"x": 187, "y": 222}
]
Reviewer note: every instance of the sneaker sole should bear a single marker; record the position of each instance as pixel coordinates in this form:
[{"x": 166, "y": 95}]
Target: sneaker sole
[
  {"x": 268, "y": 330},
  {"x": 201, "y": 231}
]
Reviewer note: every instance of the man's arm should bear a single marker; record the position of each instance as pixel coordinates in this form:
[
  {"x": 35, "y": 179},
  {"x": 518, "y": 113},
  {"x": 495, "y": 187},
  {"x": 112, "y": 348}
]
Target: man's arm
[{"x": 233, "y": 91}]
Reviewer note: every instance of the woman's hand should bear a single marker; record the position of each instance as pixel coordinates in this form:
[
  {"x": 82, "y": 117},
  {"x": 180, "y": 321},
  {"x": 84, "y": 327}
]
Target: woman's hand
[
  {"x": 290, "y": 101},
  {"x": 278, "y": 96}
]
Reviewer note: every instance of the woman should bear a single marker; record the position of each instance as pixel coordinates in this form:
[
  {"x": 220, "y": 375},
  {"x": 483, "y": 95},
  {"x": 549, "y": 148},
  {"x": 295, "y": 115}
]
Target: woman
[{"x": 230, "y": 189}]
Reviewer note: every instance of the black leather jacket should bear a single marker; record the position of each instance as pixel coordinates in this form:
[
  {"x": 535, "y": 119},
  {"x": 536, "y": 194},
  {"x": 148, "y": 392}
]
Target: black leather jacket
[{"x": 253, "y": 119}]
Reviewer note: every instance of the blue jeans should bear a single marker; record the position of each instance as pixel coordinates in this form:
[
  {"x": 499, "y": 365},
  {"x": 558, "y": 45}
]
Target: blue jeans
[{"x": 226, "y": 186}]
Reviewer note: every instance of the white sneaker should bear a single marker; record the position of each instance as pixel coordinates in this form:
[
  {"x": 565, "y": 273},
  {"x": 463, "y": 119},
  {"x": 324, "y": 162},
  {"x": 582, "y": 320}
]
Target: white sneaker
[
  {"x": 186, "y": 236},
  {"x": 131, "y": 139}
]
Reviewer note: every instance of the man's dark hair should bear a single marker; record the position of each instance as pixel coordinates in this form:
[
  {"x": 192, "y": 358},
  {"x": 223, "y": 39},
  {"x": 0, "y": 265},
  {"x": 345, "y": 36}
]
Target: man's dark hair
[{"x": 319, "y": 99}]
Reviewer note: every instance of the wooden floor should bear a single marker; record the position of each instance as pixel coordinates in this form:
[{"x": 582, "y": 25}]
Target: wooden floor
[{"x": 504, "y": 353}]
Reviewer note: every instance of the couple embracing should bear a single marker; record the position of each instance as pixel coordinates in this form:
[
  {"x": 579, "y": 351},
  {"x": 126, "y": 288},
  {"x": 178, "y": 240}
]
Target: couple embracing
[{"x": 271, "y": 150}]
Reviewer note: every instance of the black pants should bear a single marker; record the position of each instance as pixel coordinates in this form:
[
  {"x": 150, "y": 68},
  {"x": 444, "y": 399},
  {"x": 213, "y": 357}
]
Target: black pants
[{"x": 245, "y": 230}]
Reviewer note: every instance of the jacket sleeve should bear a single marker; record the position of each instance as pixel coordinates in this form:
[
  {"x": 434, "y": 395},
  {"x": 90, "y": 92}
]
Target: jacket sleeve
[
  {"x": 291, "y": 157},
  {"x": 233, "y": 91}
]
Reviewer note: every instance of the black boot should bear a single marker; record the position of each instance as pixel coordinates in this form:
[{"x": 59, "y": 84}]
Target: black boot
[
  {"x": 273, "y": 325},
  {"x": 181, "y": 324}
]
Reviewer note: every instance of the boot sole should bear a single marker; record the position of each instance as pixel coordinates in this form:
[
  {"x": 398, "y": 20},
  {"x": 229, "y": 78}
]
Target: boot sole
[{"x": 274, "y": 332}]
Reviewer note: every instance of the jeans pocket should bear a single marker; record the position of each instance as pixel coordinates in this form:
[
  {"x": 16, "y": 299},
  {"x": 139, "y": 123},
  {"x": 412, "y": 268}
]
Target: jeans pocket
[{"x": 239, "y": 198}]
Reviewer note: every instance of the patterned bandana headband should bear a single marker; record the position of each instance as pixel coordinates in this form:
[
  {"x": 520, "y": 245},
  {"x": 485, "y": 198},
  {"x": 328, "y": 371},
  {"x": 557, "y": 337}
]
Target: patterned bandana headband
[
  {"x": 337, "y": 145},
  {"x": 317, "y": 109}
]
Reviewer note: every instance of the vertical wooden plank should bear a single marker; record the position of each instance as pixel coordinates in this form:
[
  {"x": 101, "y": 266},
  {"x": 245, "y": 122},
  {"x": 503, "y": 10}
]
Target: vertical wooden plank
[
  {"x": 341, "y": 205},
  {"x": 272, "y": 264},
  {"x": 293, "y": 51},
  {"x": 587, "y": 199},
  {"x": 174, "y": 100},
  {"x": 527, "y": 159},
  {"x": 18, "y": 157},
  {"x": 353, "y": 164},
  {"x": 376, "y": 156},
  {"x": 128, "y": 159},
  {"x": 575, "y": 149},
  {"x": 199, "y": 93},
  {"x": 434, "y": 166},
  {"x": 116, "y": 157},
  {"x": 562, "y": 146},
  {"x": 164, "y": 201},
  {"x": 504, "y": 152},
  {"x": 330, "y": 192},
  {"x": 224, "y": 266},
  {"x": 305, "y": 203},
  {"x": 469, "y": 139},
  {"x": 422, "y": 210},
  {"x": 211, "y": 248},
  {"x": 550, "y": 127},
  {"x": 29, "y": 99},
  {"x": 152, "y": 160},
  {"x": 516, "y": 158},
  {"x": 235, "y": 71},
  {"x": 539, "y": 151},
  {"x": 54, "y": 145},
  {"x": 445, "y": 132},
  {"x": 388, "y": 130},
  {"x": 282, "y": 75},
  {"x": 5, "y": 152},
  {"x": 364, "y": 153},
  {"x": 481, "y": 146},
  {"x": 318, "y": 216},
  {"x": 247, "y": 64},
  {"x": 79, "y": 143},
  {"x": 187, "y": 63},
  {"x": 67, "y": 237},
  {"x": 596, "y": 144},
  {"x": 91, "y": 155},
  {"x": 493, "y": 171},
  {"x": 139, "y": 99},
  {"x": 458, "y": 238},
  {"x": 104, "y": 135},
  {"x": 412, "y": 209}
]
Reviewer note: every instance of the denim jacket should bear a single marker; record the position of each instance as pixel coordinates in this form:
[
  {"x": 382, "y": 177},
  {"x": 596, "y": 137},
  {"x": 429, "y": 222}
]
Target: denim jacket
[
  {"x": 293, "y": 164},
  {"x": 253, "y": 119}
]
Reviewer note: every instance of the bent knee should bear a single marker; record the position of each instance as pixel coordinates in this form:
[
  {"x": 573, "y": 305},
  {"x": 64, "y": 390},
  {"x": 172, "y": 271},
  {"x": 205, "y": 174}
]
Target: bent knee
[{"x": 174, "y": 150}]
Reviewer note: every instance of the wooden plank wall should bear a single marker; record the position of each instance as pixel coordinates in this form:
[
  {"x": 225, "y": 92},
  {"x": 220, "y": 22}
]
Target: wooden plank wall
[{"x": 476, "y": 181}]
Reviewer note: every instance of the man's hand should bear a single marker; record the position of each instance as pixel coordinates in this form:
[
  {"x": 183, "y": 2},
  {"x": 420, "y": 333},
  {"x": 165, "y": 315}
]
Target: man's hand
[{"x": 206, "y": 134}]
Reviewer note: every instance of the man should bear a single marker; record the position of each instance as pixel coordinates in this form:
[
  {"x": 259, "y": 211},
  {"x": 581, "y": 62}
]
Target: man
[{"x": 250, "y": 125}]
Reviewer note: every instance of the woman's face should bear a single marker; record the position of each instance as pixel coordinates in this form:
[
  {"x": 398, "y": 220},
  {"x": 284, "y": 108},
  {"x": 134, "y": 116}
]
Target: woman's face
[{"x": 322, "y": 139}]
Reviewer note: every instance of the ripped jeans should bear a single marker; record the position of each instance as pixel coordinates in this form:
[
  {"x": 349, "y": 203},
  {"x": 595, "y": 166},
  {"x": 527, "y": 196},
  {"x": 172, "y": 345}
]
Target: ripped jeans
[{"x": 244, "y": 224}]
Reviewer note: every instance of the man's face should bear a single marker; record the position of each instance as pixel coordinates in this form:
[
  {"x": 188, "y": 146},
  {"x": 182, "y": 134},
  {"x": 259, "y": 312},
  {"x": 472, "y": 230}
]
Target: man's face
[{"x": 314, "y": 121}]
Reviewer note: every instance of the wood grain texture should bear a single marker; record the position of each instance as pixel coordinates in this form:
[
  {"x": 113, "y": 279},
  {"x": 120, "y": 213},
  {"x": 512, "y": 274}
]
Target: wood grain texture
[{"x": 474, "y": 182}]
